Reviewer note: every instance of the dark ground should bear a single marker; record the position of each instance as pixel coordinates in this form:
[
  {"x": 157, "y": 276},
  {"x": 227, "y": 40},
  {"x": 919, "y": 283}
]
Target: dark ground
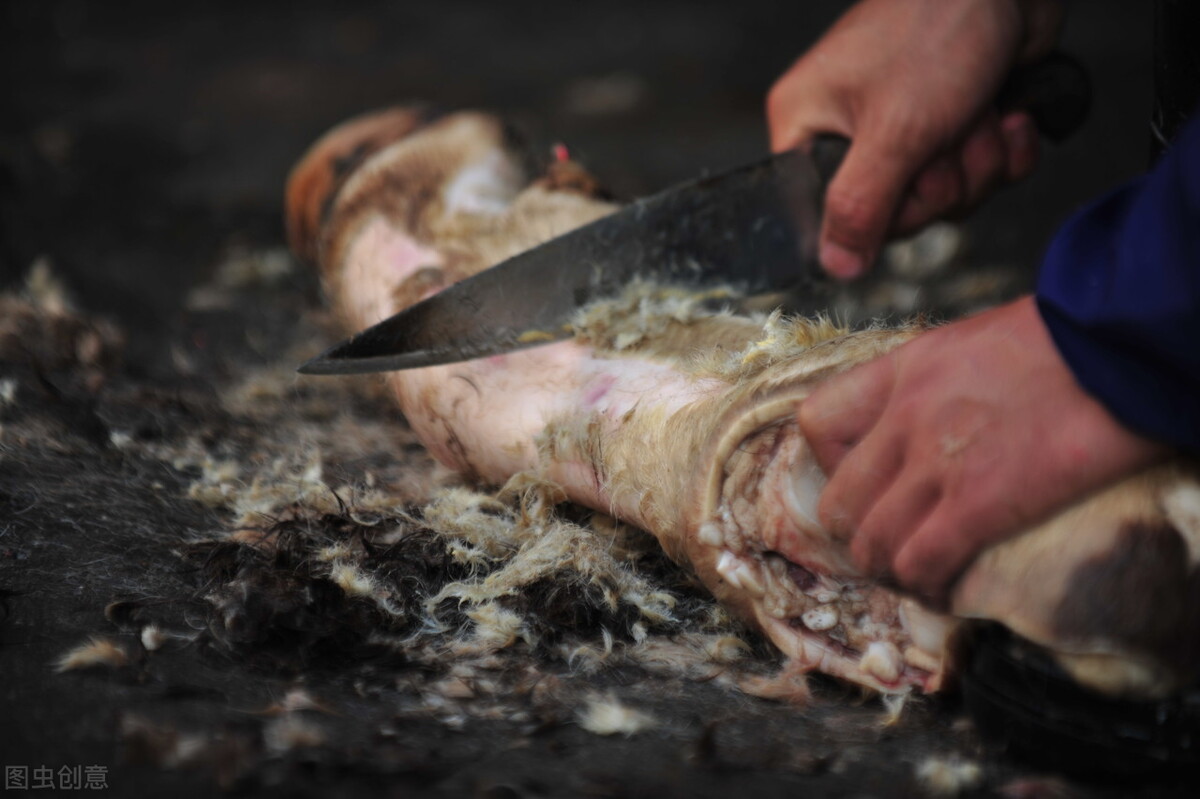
[{"x": 143, "y": 143}]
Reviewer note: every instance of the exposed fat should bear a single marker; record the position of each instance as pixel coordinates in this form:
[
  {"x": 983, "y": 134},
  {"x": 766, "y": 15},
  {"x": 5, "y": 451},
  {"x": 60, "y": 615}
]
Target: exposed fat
[
  {"x": 711, "y": 535},
  {"x": 819, "y": 619},
  {"x": 804, "y": 493},
  {"x": 929, "y": 631},
  {"x": 727, "y": 567},
  {"x": 748, "y": 578},
  {"x": 882, "y": 660},
  {"x": 776, "y": 605},
  {"x": 742, "y": 573}
]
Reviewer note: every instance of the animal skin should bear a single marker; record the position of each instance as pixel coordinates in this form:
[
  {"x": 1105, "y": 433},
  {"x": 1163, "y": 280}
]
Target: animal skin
[{"x": 682, "y": 422}]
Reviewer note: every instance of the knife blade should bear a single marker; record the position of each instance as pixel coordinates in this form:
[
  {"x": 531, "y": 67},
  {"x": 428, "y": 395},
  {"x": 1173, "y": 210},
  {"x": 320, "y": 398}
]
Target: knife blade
[{"x": 752, "y": 230}]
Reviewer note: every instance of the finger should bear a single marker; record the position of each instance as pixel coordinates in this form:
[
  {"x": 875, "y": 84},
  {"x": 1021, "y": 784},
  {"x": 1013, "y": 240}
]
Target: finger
[
  {"x": 932, "y": 558},
  {"x": 984, "y": 161},
  {"x": 862, "y": 200},
  {"x": 936, "y": 191},
  {"x": 946, "y": 543},
  {"x": 855, "y": 487},
  {"x": 798, "y": 108},
  {"x": 892, "y": 521},
  {"x": 843, "y": 410},
  {"x": 1021, "y": 144}
]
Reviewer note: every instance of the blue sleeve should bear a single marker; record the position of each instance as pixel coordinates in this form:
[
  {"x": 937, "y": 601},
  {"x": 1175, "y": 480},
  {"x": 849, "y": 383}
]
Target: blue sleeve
[{"x": 1120, "y": 292}]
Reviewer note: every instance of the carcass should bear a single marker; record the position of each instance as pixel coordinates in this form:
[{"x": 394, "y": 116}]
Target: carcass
[{"x": 682, "y": 422}]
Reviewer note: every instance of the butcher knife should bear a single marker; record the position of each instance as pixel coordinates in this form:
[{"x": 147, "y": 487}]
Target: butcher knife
[{"x": 749, "y": 231}]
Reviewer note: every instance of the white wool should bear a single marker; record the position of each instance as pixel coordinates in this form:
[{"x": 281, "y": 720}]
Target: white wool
[
  {"x": 605, "y": 715},
  {"x": 496, "y": 627},
  {"x": 292, "y": 731},
  {"x": 351, "y": 580},
  {"x": 299, "y": 699},
  {"x": 893, "y": 705},
  {"x": 943, "y": 775},
  {"x": 153, "y": 637},
  {"x": 339, "y": 550},
  {"x": 45, "y": 290},
  {"x": 8, "y": 391}
]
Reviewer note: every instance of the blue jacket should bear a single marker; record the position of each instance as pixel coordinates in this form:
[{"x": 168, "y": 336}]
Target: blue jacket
[{"x": 1120, "y": 292}]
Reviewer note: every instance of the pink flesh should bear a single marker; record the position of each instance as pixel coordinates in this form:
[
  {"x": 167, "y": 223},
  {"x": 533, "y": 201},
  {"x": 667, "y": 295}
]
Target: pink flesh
[{"x": 484, "y": 418}]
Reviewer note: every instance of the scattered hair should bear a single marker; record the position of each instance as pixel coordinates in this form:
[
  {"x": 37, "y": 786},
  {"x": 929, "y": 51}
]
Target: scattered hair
[
  {"x": 97, "y": 653},
  {"x": 942, "y": 775},
  {"x": 605, "y": 715}
]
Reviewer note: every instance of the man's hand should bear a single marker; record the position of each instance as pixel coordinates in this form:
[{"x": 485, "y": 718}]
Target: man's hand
[
  {"x": 960, "y": 438},
  {"x": 911, "y": 82}
]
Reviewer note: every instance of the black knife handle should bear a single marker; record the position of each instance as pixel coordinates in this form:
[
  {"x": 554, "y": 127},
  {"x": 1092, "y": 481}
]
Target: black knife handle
[{"x": 1056, "y": 92}]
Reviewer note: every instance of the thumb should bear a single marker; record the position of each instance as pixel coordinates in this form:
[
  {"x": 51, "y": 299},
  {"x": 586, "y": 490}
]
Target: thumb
[{"x": 861, "y": 201}]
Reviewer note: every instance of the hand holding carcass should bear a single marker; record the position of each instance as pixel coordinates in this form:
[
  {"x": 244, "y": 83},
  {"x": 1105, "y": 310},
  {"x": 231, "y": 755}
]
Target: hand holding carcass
[{"x": 960, "y": 438}]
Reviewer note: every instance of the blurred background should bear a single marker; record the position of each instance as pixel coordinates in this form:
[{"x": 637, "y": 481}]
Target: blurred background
[{"x": 141, "y": 141}]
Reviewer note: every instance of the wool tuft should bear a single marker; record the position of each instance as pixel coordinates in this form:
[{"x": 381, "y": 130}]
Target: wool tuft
[
  {"x": 949, "y": 776},
  {"x": 604, "y": 715},
  {"x": 98, "y": 652}
]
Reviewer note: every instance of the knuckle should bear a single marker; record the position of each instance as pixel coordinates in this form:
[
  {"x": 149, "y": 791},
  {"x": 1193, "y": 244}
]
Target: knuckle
[
  {"x": 943, "y": 190},
  {"x": 906, "y": 413},
  {"x": 793, "y": 105},
  {"x": 987, "y": 159},
  {"x": 985, "y": 167},
  {"x": 831, "y": 512},
  {"x": 816, "y": 419},
  {"x": 920, "y": 574},
  {"x": 905, "y": 567},
  {"x": 855, "y": 218},
  {"x": 809, "y": 416},
  {"x": 777, "y": 101},
  {"x": 905, "y": 131},
  {"x": 831, "y": 521}
]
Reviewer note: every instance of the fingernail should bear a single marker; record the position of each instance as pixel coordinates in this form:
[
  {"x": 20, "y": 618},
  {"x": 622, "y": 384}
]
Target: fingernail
[{"x": 840, "y": 262}]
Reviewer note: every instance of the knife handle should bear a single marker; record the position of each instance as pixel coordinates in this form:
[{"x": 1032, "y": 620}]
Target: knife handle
[{"x": 1056, "y": 92}]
